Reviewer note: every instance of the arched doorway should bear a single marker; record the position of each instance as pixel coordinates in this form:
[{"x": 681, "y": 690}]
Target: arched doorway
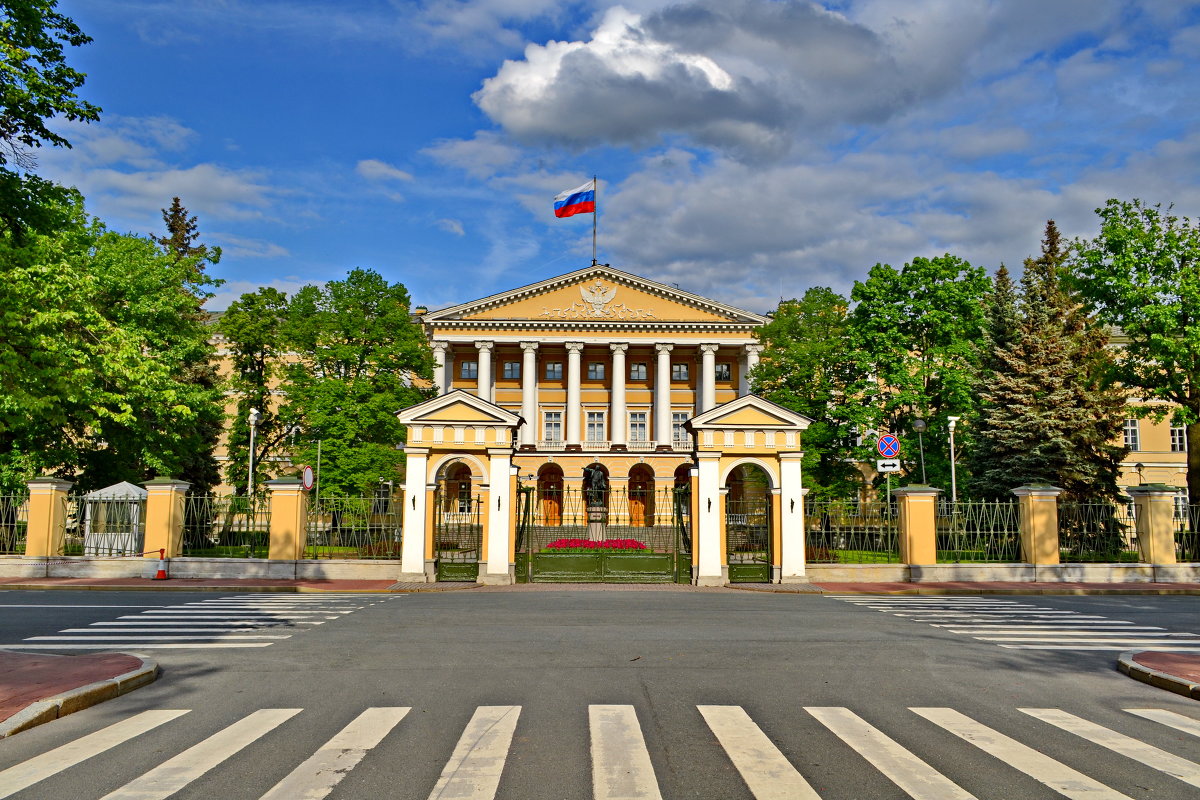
[
  {"x": 549, "y": 496},
  {"x": 641, "y": 496},
  {"x": 457, "y": 523},
  {"x": 748, "y": 524},
  {"x": 456, "y": 489}
]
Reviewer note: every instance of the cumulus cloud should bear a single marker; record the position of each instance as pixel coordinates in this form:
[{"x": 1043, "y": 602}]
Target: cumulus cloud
[{"x": 480, "y": 157}]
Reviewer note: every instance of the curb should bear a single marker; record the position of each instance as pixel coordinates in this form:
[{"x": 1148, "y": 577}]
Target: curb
[
  {"x": 51, "y": 708},
  {"x": 1162, "y": 680}
]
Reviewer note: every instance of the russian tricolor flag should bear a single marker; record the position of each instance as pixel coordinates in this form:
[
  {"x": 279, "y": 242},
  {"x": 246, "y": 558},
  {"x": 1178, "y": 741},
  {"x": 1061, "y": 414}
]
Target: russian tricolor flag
[{"x": 580, "y": 200}]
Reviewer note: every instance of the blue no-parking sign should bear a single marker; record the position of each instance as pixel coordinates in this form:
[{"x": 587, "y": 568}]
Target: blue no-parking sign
[{"x": 888, "y": 446}]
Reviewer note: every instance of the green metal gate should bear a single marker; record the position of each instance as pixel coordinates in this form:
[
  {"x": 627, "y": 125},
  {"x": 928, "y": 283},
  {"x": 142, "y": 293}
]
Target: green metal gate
[
  {"x": 457, "y": 534},
  {"x": 567, "y": 535},
  {"x": 748, "y": 539}
]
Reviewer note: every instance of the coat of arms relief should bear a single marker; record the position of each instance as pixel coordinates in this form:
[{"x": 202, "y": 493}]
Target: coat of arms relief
[{"x": 597, "y": 304}]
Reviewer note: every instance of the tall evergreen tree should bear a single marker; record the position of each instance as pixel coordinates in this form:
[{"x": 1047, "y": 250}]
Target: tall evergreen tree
[
  {"x": 1049, "y": 412},
  {"x": 181, "y": 236}
]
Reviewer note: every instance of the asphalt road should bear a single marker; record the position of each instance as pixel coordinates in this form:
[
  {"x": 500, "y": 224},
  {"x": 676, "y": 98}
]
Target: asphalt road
[{"x": 663, "y": 655}]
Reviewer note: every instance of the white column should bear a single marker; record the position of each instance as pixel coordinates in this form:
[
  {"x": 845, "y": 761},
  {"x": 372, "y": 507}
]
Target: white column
[
  {"x": 439, "y": 366},
  {"x": 412, "y": 549},
  {"x": 752, "y": 351},
  {"x": 572, "y": 422},
  {"x": 791, "y": 516},
  {"x": 485, "y": 370},
  {"x": 708, "y": 521},
  {"x": 706, "y": 397},
  {"x": 662, "y": 395},
  {"x": 529, "y": 407},
  {"x": 617, "y": 423},
  {"x": 499, "y": 500}
]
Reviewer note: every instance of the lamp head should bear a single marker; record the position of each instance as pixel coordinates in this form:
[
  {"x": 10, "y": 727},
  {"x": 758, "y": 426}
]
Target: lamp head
[
  {"x": 953, "y": 421},
  {"x": 255, "y": 415},
  {"x": 919, "y": 425}
]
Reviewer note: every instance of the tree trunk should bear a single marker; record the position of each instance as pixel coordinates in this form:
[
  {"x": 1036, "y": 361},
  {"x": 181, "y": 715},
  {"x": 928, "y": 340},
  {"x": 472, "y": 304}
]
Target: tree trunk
[{"x": 1193, "y": 463}]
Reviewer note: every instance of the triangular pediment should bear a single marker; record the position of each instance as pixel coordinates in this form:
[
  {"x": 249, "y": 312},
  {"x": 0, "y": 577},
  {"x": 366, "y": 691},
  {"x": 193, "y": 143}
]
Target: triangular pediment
[
  {"x": 750, "y": 411},
  {"x": 597, "y": 294},
  {"x": 458, "y": 407}
]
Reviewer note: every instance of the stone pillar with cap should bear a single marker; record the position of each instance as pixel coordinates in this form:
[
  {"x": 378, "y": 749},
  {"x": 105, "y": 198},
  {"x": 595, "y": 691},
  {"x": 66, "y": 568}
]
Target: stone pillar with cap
[
  {"x": 918, "y": 523},
  {"x": 165, "y": 498},
  {"x": 289, "y": 519},
  {"x": 1154, "y": 505},
  {"x": 1038, "y": 509},
  {"x": 47, "y": 517}
]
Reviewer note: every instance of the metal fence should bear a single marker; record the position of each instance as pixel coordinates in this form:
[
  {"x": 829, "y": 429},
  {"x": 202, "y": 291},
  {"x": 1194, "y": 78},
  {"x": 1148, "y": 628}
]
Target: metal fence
[
  {"x": 978, "y": 531},
  {"x": 1187, "y": 534},
  {"x": 102, "y": 526},
  {"x": 14, "y": 519},
  {"x": 367, "y": 527},
  {"x": 851, "y": 532},
  {"x": 1098, "y": 531},
  {"x": 226, "y": 526},
  {"x": 649, "y": 516}
]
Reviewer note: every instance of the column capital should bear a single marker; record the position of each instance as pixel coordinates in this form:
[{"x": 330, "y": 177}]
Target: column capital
[
  {"x": 618, "y": 347},
  {"x": 754, "y": 349},
  {"x": 485, "y": 345},
  {"x": 438, "y": 346},
  {"x": 663, "y": 347},
  {"x": 529, "y": 347},
  {"x": 708, "y": 348},
  {"x": 574, "y": 347}
]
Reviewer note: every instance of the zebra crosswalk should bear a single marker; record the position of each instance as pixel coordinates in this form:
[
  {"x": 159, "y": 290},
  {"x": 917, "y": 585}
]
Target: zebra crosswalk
[
  {"x": 1018, "y": 625},
  {"x": 252, "y": 620},
  {"x": 622, "y": 767}
]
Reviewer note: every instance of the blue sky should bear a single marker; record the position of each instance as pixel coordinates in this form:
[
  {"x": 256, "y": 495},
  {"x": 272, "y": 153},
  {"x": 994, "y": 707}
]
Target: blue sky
[{"x": 747, "y": 149}]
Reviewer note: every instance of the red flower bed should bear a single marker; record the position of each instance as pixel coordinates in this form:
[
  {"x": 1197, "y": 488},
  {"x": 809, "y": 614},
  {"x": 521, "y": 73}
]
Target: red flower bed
[{"x": 588, "y": 544}]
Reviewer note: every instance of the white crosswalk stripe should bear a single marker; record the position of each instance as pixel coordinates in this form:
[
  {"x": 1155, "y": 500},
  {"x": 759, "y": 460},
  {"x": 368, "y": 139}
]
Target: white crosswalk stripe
[
  {"x": 621, "y": 765},
  {"x": 240, "y": 621},
  {"x": 1016, "y": 625}
]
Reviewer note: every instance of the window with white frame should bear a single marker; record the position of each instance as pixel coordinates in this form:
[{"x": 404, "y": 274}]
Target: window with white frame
[
  {"x": 512, "y": 370},
  {"x": 1178, "y": 438},
  {"x": 678, "y": 433},
  {"x": 554, "y": 370},
  {"x": 595, "y": 426},
  {"x": 637, "y": 426},
  {"x": 679, "y": 371},
  {"x": 1181, "y": 506},
  {"x": 552, "y": 426},
  {"x": 724, "y": 372},
  {"x": 1133, "y": 439},
  {"x": 595, "y": 371},
  {"x": 637, "y": 372},
  {"x": 468, "y": 370}
]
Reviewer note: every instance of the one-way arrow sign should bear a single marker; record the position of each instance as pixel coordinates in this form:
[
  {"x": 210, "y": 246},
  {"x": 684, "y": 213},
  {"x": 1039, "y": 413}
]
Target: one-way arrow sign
[{"x": 887, "y": 465}]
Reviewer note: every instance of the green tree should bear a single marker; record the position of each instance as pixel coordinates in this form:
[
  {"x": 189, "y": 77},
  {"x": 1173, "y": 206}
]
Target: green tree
[
  {"x": 805, "y": 366},
  {"x": 36, "y": 84},
  {"x": 253, "y": 330},
  {"x": 359, "y": 357},
  {"x": 182, "y": 233},
  {"x": 914, "y": 333},
  {"x": 1049, "y": 413}
]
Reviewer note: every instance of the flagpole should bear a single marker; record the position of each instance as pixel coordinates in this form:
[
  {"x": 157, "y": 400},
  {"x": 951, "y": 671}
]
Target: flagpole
[{"x": 595, "y": 213}]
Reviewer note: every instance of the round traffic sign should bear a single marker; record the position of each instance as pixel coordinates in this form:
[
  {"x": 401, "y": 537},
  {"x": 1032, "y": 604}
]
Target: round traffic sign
[
  {"x": 889, "y": 446},
  {"x": 307, "y": 478}
]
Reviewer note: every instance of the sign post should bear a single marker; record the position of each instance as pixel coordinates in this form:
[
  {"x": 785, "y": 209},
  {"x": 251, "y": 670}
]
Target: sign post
[{"x": 888, "y": 447}]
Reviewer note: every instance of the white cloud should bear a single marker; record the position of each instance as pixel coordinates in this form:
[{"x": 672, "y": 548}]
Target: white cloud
[
  {"x": 481, "y": 157},
  {"x": 375, "y": 170},
  {"x": 232, "y": 290},
  {"x": 246, "y": 247},
  {"x": 451, "y": 226}
]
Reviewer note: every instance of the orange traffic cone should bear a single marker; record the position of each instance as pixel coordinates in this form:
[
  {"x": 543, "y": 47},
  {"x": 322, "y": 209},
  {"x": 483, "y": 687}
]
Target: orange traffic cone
[{"x": 161, "y": 575}]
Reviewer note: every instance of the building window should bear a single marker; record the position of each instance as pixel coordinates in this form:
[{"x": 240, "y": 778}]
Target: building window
[
  {"x": 468, "y": 370},
  {"x": 1181, "y": 506},
  {"x": 637, "y": 372},
  {"x": 678, "y": 433},
  {"x": 1178, "y": 438},
  {"x": 552, "y": 426},
  {"x": 595, "y": 371},
  {"x": 724, "y": 372},
  {"x": 595, "y": 426},
  {"x": 554, "y": 370},
  {"x": 637, "y": 426},
  {"x": 1133, "y": 439},
  {"x": 679, "y": 371},
  {"x": 512, "y": 370}
]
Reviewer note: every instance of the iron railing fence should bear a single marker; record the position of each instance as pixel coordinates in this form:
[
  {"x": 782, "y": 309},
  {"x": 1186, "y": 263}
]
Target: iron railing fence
[
  {"x": 851, "y": 532},
  {"x": 226, "y": 526},
  {"x": 367, "y": 527},
  {"x": 1098, "y": 531},
  {"x": 14, "y": 520},
  {"x": 978, "y": 531},
  {"x": 648, "y": 516},
  {"x": 748, "y": 530},
  {"x": 1187, "y": 534},
  {"x": 102, "y": 526},
  {"x": 457, "y": 527}
]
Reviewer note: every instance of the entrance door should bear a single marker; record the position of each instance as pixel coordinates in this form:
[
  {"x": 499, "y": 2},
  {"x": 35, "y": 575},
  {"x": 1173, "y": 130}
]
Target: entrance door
[
  {"x": 550, "y": 495},
  {"x": 457, "y": 527},
  {"x": 748, "y": 525},
  {"x": 641, "y": 496}
]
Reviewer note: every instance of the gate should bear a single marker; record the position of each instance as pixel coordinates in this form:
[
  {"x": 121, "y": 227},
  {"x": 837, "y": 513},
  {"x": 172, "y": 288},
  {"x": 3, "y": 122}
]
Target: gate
[
  {"x": 457, "y": 534},
  {"x": 568, "y": 535},
  {"x": 748, "y": 539}
]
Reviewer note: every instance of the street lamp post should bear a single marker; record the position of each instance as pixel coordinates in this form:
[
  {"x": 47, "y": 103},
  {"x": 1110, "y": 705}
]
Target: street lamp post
[
  {"x": 919, "y": 425},
  {"x": 254, "y": 418},
  {"x": 953, "y": 478}
]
